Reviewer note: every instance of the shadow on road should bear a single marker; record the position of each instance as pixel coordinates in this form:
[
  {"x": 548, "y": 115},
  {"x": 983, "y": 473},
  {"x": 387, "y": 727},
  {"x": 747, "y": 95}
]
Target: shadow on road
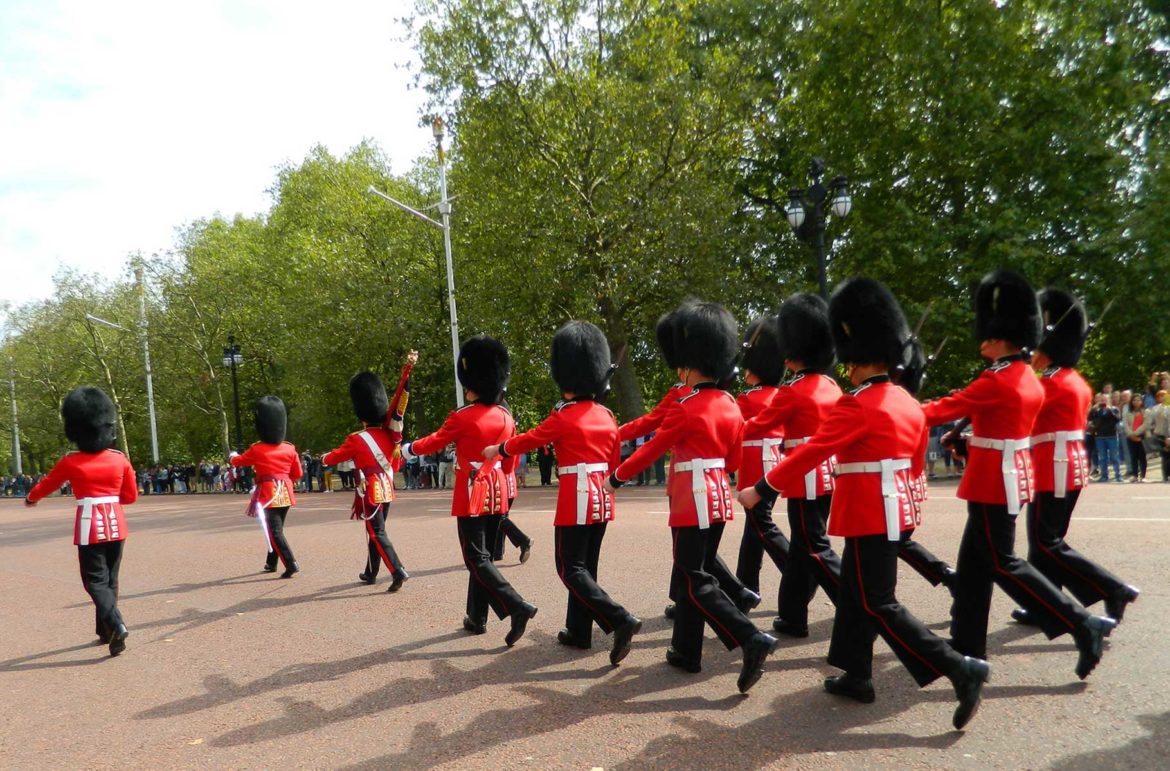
[{"x": 1143, "y": 752}]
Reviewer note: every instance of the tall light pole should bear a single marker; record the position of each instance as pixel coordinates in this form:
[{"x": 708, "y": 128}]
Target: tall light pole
[
  {"x": 17, "y": 466},
  {"x": 808, "y": 213},
  {"x": 145, "y": 356},
  {"x": 139, "y": 274},
  {"x": 444, "y": 206},
  {"x": 233, "y": 359}
]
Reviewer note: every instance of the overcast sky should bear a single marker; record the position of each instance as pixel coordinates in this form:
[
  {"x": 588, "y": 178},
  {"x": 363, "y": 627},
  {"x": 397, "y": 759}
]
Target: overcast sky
[{"x": 122, "y": 120}]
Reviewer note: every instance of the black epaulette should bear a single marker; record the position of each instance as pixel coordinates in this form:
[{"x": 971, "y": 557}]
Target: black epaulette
[
  {"x": 797, "y": 378},
  {"x": 859, "y": 389},
  {"x": 695, "y": 392},
  {"x": 996, "y": 367},
  {"x": 1051, "y": 371},
  {"x": 560, "y": 405},
  {"x": 752, "y": 390}
]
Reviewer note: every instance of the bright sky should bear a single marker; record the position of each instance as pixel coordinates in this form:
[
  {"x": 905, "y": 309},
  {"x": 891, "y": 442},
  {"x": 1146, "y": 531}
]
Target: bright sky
[{"x": 122, "y": 120}]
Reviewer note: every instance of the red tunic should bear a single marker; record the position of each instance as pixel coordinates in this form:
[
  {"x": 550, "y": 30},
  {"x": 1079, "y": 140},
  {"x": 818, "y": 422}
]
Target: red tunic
[
  {"x": 878, "y": 424},
  {"x": 471, "y": 429},
  {"x": 761, "y": 451},
  {"x": 377, "y": 483},
  {"x": 277, "y": 465},
  {"x": 102, "y": 482},
  {"x": 704, "y": 429},
  {"x": 1061, "y": 425},
  {"x": 797, "y": 410},
  {"x": 584, "y": 435},
  {"x": 1002, "y": 404},
  {"x": 649, "y": 423}
]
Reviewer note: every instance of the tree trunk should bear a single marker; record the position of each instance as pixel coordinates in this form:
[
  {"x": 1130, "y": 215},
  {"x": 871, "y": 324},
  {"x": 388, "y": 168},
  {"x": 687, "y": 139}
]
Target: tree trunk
[{"x": 628, "y": 402}]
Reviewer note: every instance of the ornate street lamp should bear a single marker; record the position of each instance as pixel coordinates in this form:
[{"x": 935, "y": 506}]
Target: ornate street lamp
[{"x": 808, "y": 211}]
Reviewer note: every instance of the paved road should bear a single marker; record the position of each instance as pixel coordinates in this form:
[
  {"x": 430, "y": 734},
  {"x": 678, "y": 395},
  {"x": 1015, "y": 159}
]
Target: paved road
[{"x": 231, "y": 668}]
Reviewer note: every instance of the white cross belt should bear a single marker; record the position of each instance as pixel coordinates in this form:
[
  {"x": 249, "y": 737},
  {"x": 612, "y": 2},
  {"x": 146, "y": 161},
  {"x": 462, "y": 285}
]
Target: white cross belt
[
  {"x": 582, "y": 470},
  {"x": 698, "y": 468},
  {"x": 887, "y": 467},
  {"x": 87, "y": 505},
  {"x": 1060, "y": 440},
  {"x": 1011, "y": 475},
  {"x": 810, "y": 479}
]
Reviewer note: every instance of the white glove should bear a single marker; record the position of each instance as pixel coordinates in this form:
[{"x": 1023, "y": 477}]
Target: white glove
[{"x": 404, "y": 448}]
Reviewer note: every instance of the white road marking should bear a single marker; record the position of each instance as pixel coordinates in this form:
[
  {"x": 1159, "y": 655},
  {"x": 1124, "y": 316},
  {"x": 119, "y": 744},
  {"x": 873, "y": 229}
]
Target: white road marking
[{"x": 1123, "y": 519}]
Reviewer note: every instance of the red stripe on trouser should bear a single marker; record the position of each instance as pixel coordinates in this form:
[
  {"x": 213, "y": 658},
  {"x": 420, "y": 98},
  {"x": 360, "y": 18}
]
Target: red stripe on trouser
[
  {"x": 378, "y": 544},
  {"x": 275, "y": 546},
  {"x": 575, "y": 593},
  {"x": 475, "y": 573},
  {"x": 690, "y": 593},
  {"x": 889, "y": 630},
  {"x": 998, "y": 569},
  {"x": 807, "y": 544},
  {"x": 1036, "y": 520}
]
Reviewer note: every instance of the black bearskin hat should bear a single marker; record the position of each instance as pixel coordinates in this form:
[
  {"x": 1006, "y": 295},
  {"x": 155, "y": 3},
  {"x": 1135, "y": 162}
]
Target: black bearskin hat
[
  {"x": 665, "y": 332},
  {"x": 705, "y": 339},
  {"x": 91, "y": 421},
  {"x": 368, "y": 395},
  {"x": 804, "y": 331},
  {"x": 1065, "y": 327},
  {"x": 1006, "y": 309},
  {"x": 271, "y": 419},
  {"x": 867, "y": 324},
  {"x": 580, "y": 359},
  {"x": 913, "y": 371},
  {"x": 761, "y": 350},
  {"x": 484, "y": 367}
]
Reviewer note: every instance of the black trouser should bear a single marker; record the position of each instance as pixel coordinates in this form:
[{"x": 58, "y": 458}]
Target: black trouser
[
  {"x": 1164, "y": 452},
  {"x": 99, "y": 564},
  {"x": 508, "y": 529},
  {"x": 486, "y": 587},
  {"x": 867, "y": 607},
  {"x": 378, "y": 546},
  {"x": 986, "y": 555},
  {"x": 811, "y": 562},
  {"x": 545, "y": 464},
  {"x": 275, "y": 519},
  {"x": 1137, "y": 458},
  {"x": 760, "y": 535},
  {"x": 1064, "y": 566},
  {"x": 697, "y": 595},
  {"x": 578, "y": 549},
  {"x": 922, "y": 559}
]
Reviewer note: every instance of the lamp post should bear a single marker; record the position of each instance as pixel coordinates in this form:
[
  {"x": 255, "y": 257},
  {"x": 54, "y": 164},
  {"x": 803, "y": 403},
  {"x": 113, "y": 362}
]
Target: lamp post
[
  {"x": 444, "y": 206},
  {"x": 17, "y": 467},
  {"x": 808, "y": 213},
  {"x": 145, "y": 356},
  {"x": 233, "y": 359}
]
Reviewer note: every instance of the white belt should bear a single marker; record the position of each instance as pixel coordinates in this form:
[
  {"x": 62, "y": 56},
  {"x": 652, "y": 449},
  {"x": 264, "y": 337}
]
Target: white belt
[
  {"x": 810, "y": 479},
  {"x": 766, "y": 445},
  {"x": 890, "y": 498},
  {"x": 1059, "y": 456},
  {"x": 87, "y": 505},
  {"x": 583, "y": 470},
  {"x": 698, "y": 468},
  {"x": 1009, "y": 448}
]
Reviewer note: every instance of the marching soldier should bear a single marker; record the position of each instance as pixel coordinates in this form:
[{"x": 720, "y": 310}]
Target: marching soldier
[
  {"x": 481, "y": 489},
  {"x": 876, "y": 433},
  {"x": 277, "y": 465},
  {"x": 743, "y": 596},
  {"x": 374, "y": 451},
  {"x": 1061, "y": 464},
  {"x": 103, "y": 481},
  {"x": 762, "y": 369},
  {"x": 704, "y": 431},
  {"x": 923, "y": 561},
  {"x": 508, "y": 529},
  {"x": 797, "y": 411},
  {"x": 584, "y": 436},
  {"x": 1002, "y": 404}
]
